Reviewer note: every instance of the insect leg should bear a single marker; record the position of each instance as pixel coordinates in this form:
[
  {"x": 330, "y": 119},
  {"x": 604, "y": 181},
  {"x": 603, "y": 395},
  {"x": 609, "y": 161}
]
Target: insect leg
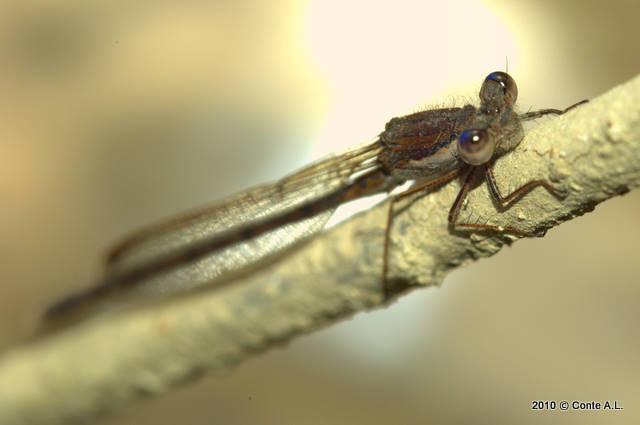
[
  {"x": 502, "y": 200},
  {"x": 537, "y": 114},
  {"x": 421, "y": 187}
]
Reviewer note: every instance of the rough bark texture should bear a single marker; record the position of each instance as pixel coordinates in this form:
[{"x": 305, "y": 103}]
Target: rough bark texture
[{"x": 104, "y": 363}]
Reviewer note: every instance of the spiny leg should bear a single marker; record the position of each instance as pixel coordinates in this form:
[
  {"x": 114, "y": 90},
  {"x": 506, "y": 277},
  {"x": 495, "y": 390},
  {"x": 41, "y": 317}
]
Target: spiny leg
[
  {"x": 455, "y": 208},
  {"x": 502, "y": 200},
  {"x": 537, "y": 114},
  {"x": 423, "y": 186}
]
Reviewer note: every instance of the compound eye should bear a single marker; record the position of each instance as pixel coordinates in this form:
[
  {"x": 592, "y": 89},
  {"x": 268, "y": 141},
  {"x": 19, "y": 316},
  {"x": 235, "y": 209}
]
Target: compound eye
[
  {"x": 475, "y": 147},
  {"x": 499, "y": 84}
]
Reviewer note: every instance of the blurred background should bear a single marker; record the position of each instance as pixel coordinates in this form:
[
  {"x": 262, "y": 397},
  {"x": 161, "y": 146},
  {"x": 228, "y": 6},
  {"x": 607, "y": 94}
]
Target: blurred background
[{"x": 116, "y": 114}]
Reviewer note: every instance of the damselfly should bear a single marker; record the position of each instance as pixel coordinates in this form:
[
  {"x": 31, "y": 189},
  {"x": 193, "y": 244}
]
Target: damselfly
[{"x": 434, "y": 146}]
